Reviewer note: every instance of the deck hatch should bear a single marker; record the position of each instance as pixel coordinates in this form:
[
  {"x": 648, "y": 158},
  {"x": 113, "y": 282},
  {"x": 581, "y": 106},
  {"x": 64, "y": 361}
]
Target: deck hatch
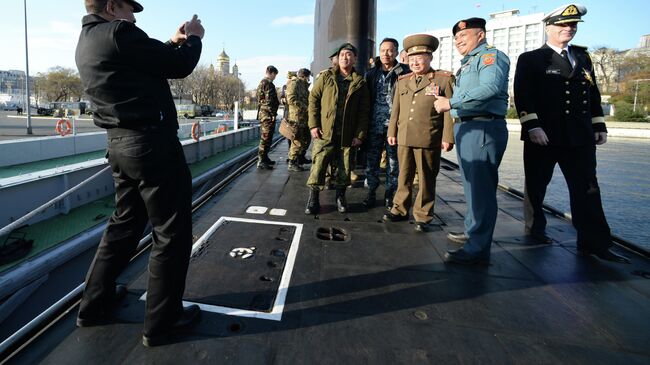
[{"x": 243, "y": 267}]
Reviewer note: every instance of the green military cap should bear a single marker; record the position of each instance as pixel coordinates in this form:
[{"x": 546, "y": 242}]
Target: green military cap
[
  {"x": 303, "y": 72},
  {"x": 334, "y": 52},
  {"x": 349, "y": 47},
  {"x": 420, "y": 43},
  {"x": 570, "y": 13},
  {"x": 290, "y": 74}
]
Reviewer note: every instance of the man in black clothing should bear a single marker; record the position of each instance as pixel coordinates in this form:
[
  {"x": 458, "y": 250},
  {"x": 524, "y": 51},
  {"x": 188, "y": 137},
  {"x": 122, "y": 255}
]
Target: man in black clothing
[
  {"x": 561, "y": 123},
  {"x": 124, "y": 74}
]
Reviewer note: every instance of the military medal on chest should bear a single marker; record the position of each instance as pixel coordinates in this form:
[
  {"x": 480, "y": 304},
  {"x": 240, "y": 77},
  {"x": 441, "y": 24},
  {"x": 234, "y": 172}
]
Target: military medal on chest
[{"x": 432, "y": 90}]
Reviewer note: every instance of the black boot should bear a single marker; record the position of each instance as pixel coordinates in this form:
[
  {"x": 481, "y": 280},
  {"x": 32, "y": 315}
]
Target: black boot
[
  {"x": 388, "y": 198},
  {"x": 313, "y": 203},
  {"x": 370, "y": 199},
  {"x": 294, "y": 166},
  {"x": 262, "y": 165},
  {"x": 267, "y": 160},
  {"x": 303, "y": 160},
  {"x": 341, "y": 203}
]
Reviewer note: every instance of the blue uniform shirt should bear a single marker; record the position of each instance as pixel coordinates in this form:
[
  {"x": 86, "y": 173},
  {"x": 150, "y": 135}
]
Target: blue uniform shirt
[{"x": 481, "y": 83}]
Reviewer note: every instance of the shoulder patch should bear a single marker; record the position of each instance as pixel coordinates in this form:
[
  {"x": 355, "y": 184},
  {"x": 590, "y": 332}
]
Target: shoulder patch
[
  {"x": 444, "y": 73},
  {"x": 489, "y": 46},
  {"x": 488, "y": 58},
  {"x": 405, "y": 76}
]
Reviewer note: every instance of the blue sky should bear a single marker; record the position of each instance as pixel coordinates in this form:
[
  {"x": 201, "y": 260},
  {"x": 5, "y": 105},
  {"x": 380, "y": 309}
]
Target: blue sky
[{"x": 261, "y": 32}]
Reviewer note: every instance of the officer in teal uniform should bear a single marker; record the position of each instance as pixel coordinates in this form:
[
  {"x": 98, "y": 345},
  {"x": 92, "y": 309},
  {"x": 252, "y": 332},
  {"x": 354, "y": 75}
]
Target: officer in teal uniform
[{"x": 479, "y": 105}]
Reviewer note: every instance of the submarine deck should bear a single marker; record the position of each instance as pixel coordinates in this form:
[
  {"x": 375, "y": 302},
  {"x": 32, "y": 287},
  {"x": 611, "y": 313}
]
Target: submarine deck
[{"x": 363, "y": 291}]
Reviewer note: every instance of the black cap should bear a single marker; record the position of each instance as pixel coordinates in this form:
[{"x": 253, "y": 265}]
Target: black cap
[
  {"x": 478, "y": 23},
  {"x": 136, "y": 6},
  {"x": 303, "y": 72},
  {"x": 349, "y": 47}
]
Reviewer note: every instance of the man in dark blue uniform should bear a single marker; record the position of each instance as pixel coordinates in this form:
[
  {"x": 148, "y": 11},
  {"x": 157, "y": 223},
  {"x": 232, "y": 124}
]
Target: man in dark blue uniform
[
  {"x": 381, "y": 81},
  {"x": 562, "y": 122},
  {"x": 124, "y": 73},
  {"x": 480, "y": 102}
]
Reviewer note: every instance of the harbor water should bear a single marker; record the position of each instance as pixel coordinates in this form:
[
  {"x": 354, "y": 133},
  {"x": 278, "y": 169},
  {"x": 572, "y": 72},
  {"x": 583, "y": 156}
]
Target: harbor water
[{"x": 623, "y": 175}]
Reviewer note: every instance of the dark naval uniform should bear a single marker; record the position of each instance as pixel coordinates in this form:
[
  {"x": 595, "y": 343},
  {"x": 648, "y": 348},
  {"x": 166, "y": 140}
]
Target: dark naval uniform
[
  {"x": 267, "y": 111},
  {"x": 480, "y": 101},
  {"x": 419, "y": 130},
  {"x": 564, "y": 101}
]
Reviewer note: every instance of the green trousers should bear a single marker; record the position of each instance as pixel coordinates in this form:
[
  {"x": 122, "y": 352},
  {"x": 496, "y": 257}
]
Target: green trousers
[{"x": 322, "y": 152}]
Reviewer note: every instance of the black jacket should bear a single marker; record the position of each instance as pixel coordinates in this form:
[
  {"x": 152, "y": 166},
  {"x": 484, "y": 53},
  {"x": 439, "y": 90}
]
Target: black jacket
[
  {"x": 371, "y": 78},
  {"x": 565, "y": 103},
  {"x": 124, "y": 74}
]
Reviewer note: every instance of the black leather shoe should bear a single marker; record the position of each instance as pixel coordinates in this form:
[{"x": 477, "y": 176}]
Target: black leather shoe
[
  {"x": 607, "y": 255},
  {"x": 103, "y": 318},
  {"x": 421, "y": 227},
  {"x": 540, "y": 238},
  {"x": 189, "y": 316},
  {"x": 390, "y": 217},
  {"x": 458, "y": 237},
  {"x": 463, "y": 258}
]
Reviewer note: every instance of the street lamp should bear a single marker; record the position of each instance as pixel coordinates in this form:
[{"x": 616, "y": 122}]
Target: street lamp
[
  {"x": 29, "y": 112},
  {"x": 636, "y": 91}
]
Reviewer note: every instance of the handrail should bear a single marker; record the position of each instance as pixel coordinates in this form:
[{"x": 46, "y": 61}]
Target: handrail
[{"x": 20, "y": 221}]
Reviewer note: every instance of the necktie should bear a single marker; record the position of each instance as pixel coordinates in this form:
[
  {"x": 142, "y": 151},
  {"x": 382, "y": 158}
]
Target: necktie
[
  {"x": 565, "y": 56},
  {"x": 417, "y": 80}
]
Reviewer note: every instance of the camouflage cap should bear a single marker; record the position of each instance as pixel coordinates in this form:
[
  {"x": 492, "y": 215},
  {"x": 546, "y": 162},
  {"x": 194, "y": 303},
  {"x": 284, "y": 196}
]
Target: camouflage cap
[
  {"x": 570, "y": 13},
  {"x": 420, "y": 43},
  {"x": 478, "y": 23}
]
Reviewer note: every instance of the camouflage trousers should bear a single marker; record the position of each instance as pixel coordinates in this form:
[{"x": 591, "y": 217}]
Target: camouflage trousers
[
  {"x": 376, "y": 145},
  {"x": 322, "y": 152},
  {"x": 267, "y": 127},
  {"x": 301, "y": 142}
]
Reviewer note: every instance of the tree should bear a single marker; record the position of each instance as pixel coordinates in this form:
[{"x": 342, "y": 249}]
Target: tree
[
  {"x": 606, "y": 63},
  {"x": 60, "y": 84}
]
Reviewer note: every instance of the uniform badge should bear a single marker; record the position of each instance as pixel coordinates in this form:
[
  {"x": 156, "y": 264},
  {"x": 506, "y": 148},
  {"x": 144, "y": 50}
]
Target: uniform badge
[
  {"x": 488, "y": 58},
  {"x": 553, "y": 72},
  {"x": 587, "y": 76},
  {"x": 432, "y": 90}
]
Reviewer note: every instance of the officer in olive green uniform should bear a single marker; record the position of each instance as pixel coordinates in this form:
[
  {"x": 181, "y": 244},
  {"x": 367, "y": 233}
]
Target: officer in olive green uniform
[
  {"x": 419, "y": 131},
  {"x": 338, "y": 120},
  {"x": 267, "y": 110},
  {"x": 297, "y": 101}
]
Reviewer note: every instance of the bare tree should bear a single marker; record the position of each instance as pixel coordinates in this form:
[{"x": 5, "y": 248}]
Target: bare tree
[
  {"x": 61, "y": 84},
  {"x": 606, "y": 63}
]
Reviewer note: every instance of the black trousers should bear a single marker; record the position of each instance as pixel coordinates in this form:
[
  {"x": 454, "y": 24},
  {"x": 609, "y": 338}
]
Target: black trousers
[
  {"x": 578, "y": 165},
  {"x": 152, "y": 184}
]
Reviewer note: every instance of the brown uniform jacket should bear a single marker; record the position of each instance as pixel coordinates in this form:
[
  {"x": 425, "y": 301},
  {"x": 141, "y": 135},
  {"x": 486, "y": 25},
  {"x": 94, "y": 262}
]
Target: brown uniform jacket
[{"x": 414, "y": 120}]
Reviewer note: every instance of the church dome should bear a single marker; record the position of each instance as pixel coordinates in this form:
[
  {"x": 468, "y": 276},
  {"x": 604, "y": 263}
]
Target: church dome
[{"x": 223, "y": 56}]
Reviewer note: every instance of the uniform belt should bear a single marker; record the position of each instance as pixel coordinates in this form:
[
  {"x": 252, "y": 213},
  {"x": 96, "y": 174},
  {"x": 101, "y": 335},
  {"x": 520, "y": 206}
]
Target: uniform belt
[{"x": 482, "y": 118}]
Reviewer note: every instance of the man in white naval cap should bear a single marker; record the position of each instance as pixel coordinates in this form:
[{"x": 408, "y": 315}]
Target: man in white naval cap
[{"x": 558, "y": 103}]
